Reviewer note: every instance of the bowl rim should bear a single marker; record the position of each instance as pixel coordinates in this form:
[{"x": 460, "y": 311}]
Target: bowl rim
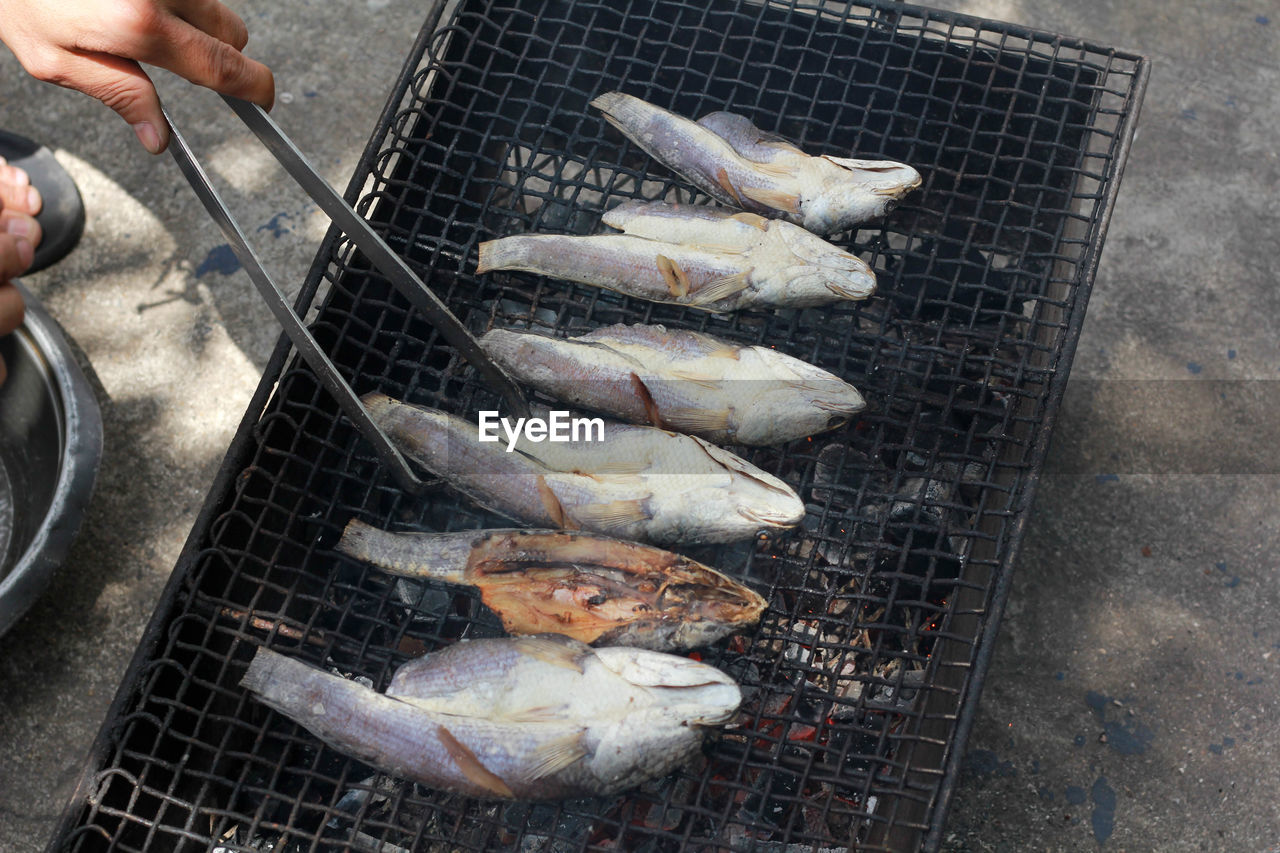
[{"x": 78, "y": 469}]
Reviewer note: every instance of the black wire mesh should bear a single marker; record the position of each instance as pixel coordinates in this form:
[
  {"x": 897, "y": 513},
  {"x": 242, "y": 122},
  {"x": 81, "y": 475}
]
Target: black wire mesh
[{"x": 863, "y": 675}]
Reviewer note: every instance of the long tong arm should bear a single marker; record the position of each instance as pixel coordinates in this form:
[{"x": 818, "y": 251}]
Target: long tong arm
[
  {"x": 383, "y": 259},
  {"x": 379, "y": 253}
]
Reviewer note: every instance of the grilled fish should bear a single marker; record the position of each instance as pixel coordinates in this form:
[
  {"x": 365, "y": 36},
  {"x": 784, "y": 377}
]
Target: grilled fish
[
  {"x": 737, "y": 163},
  {"x": 681, "y": 380},
  {"x": 703, "y": 257},
  {"x": 592, "y": 588},
  {"x": 528, "y": 718},
  {"x": 637, "y": 483}
]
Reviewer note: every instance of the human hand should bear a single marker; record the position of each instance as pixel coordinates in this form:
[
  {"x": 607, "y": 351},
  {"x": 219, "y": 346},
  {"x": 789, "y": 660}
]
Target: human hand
[
  {"x": 19, "y": 236},
  {"x": 95, "y": 46}
]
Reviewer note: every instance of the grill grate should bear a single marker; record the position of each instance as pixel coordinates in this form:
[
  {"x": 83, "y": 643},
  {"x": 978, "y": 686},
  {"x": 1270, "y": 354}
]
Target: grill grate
[{"x": 863, "y": 676}]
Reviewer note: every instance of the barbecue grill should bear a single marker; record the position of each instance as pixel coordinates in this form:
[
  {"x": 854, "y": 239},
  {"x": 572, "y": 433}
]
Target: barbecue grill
[{"x": 862, "y": 679}]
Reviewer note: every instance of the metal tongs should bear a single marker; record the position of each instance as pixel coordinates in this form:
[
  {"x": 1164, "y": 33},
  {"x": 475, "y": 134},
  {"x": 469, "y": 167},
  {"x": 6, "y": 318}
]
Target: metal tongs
[{"x": 374, "y": 247}]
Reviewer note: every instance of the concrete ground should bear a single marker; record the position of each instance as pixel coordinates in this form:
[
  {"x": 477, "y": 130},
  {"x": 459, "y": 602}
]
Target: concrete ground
[{"x": 1132, "y": 703}]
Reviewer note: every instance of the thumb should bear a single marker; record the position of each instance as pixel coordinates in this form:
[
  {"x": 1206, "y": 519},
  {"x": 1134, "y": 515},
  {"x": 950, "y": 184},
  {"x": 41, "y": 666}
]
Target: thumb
[{"x": 123, "y": 86}]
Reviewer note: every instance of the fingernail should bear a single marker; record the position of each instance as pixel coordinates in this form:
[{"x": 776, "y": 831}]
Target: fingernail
[
  {"x": 26, "y": 252},
  {"x": 19, "y": 226},
  {"x": 34, "y": 202},
  {"x": 148, "y": 136}
]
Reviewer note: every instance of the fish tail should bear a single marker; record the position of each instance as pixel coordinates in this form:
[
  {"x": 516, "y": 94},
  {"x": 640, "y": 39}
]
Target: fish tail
[
  {"x": 504, "y": 346},
  {"x": 417, "y": 555},
  {"x": 561, "y": 256},
  {"x": 262, "y": 670},
  {"x": 648, "y": 125},
  {"x": 679, "y": 143},
  {"x": 302, "y": 692},
  {"x": 506, "y": 253}
]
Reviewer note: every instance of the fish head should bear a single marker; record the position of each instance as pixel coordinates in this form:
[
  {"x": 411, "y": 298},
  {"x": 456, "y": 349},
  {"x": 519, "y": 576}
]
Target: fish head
[
  {"x": 705, "y": 598},
  {"x": 760, "y": 497},
  {"x": 685, "y": 692},
  {"x": 823, "y": 269},
  {"x": 805, "y": 286},
  {"x": 882, "y": 177},
  {"x": 856, "y": 191}
]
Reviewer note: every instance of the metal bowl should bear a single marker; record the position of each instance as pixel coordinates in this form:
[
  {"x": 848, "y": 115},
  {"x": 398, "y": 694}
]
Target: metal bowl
[{"x": 50, "y": 447}]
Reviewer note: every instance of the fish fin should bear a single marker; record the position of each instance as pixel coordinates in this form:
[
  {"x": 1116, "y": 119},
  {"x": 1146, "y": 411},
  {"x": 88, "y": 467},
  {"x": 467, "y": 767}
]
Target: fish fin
[
  {"x": 709, "y": 345},
  {"x": 554, "y": 508},
  {"x": 646, "y": 400},
  {"x": 722, "y": 248},
  {"x": 471, "y": 767},
  {"x": 753, "y": 219},
  {"x": 721, "y": 288},
  {"x": 698, "y": 420},
  {"x": 675, "y": 277},
  {"x": 554, "y": 650},
  {"x": 540, "y": 714},
  {"x": 619, "y": 468},
  {"x": 781, "y": 171},
  {"x": 614, "y": 513},
  {"x": 711, "y": 383},
  {"x": 556, "y": 755},
  {"x": 722, "y": 178},
  {"x": 864, "y": 165},
  {"x": 776, "y": 199}
]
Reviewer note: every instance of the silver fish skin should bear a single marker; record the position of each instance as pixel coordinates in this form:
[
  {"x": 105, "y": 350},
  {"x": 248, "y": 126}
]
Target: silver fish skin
[
  {"x": 736, "y": 163},
  {"x": 790, "y": 266},
  {"x": 695, "y": 256},
  {"x": 639, "y": 483},
  {"x": 530, "y": 718},
  {"x": 681, "y": 380}
]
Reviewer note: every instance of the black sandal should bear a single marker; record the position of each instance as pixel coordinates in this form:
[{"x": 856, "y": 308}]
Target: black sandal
[{"x": 62, "y": 217}]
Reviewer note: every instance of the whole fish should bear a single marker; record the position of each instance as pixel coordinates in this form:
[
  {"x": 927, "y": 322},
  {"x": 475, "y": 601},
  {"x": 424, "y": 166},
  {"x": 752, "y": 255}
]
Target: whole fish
[
  {"x": 681, "y": 380},
  {"x": 588, "y": 587},
  {"x": 631, "y": 482},
  {"x": 703, "y": 257},
  {"x": 737, "y": 163},
  {"x": 529, "y": 718}
]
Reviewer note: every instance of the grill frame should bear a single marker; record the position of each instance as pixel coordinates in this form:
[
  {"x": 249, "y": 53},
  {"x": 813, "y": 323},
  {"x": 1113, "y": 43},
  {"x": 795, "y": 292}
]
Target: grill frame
[{"x": 922, "y": 817}]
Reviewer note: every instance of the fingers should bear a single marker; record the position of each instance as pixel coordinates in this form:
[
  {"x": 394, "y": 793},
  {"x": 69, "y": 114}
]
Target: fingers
[
  {"x": 16, "y": 192},
  {"x": 23, "y": 198},
  {"x": 11, "y": 308},
  {"x": 21, "y": 225},
  {"x": 123, "y": 86},
  {"x": 200, "y": 40},
  {"x": 16, "y": 254},
  {"x": 213, "y": 18},
  {"x": 96, "y": 46},
  {"x": 207, "y": 61}
]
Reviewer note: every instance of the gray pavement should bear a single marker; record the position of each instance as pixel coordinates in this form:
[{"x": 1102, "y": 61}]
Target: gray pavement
[{"x": 1132, "y": 702}]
